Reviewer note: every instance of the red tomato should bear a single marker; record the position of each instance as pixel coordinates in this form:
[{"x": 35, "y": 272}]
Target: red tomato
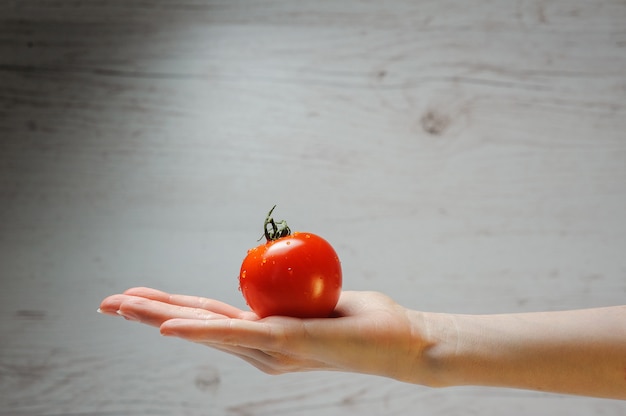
[{"x": 295, "y": 275}]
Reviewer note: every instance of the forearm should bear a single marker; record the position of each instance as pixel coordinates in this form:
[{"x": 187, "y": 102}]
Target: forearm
[{"x": 575, "y": 352}]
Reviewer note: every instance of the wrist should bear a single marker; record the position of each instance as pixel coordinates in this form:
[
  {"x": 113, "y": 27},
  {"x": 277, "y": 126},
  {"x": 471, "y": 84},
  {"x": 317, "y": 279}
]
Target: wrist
[{"x": 433, "y": 340}]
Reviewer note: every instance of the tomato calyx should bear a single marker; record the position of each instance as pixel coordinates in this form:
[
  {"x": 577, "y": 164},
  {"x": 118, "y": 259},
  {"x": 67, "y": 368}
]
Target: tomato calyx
[{"x": 277, "y": 230}]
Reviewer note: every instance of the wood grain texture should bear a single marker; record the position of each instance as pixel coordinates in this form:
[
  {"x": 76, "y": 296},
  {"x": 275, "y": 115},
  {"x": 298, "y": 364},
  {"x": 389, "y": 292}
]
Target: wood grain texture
[{"x": 462, "y": 156}]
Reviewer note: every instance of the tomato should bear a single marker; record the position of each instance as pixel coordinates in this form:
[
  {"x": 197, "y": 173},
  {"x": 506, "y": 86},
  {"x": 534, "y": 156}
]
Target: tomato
[{"x": 296, "y": 275}]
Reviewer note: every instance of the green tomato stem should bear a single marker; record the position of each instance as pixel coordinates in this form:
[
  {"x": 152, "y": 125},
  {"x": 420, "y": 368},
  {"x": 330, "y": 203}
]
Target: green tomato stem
[{"x": 277, "y": 230}]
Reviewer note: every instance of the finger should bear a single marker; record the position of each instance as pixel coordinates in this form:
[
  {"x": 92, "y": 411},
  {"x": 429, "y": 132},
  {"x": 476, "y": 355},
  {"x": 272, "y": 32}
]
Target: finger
[
  {"x": 259, "y": 359},
  {"x": 154, "y": 313},
  {"x": 188, "y": 330},
  {"x": 111, "y": 304},
  {"x": 192, "y": 302},
  {"x": 273, "y": 362},
  {"x": 274, "y": 347},
  {"x": 278, "y": 335}
]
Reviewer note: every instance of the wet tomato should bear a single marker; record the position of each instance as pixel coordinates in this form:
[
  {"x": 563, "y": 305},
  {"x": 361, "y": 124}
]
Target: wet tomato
[{"x": 296, "y": 275}]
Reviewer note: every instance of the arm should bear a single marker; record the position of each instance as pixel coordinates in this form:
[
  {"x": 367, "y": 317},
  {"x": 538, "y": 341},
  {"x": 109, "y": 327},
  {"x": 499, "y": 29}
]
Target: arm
[{"x": 577, "y": 352}]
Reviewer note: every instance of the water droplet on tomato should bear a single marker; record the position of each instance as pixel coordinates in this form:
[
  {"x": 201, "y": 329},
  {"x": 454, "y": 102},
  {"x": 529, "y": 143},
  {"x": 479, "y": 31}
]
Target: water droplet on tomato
[
  {"x": 263, "y": 261},
  {"x": 243, "y": 274},
  {"x": 307, "y": 236},
  {"x": 288, "y": 242}
]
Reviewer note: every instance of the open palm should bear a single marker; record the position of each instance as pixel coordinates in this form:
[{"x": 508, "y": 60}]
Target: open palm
[{"x": 368, "y": 333}]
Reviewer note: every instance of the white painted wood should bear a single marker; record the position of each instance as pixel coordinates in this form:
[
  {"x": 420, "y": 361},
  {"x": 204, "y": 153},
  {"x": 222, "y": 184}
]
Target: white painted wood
[{"x": 461, "y": 156}]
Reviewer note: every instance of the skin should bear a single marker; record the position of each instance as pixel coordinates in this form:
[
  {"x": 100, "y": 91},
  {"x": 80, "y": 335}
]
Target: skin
[{"x": 580, "y": 352}]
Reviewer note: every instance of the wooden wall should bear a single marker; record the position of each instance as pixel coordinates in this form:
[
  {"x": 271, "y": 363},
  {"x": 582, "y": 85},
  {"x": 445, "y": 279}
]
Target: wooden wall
[{"x": 462, "y": 156}]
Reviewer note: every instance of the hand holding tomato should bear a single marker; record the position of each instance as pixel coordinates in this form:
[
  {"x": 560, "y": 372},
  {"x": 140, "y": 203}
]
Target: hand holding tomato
[
  {"x": 297, "y": 275},
  {"x": 369, "y": 332}
]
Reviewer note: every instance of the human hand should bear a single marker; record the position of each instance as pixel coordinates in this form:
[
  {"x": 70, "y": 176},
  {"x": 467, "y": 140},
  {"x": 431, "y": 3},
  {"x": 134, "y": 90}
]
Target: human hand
[{"x": 368, "y": 332}]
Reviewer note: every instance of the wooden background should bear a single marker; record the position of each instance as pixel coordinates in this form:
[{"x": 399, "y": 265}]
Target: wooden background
[{"x": 462, "y": 156}]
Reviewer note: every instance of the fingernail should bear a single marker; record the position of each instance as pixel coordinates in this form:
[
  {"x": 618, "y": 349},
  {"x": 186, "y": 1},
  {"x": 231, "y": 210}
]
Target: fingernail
[
  {"x": 126, "y": 316},
  {"x": 167, "y": 332},
  {"x": 99, "y": 310}
]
